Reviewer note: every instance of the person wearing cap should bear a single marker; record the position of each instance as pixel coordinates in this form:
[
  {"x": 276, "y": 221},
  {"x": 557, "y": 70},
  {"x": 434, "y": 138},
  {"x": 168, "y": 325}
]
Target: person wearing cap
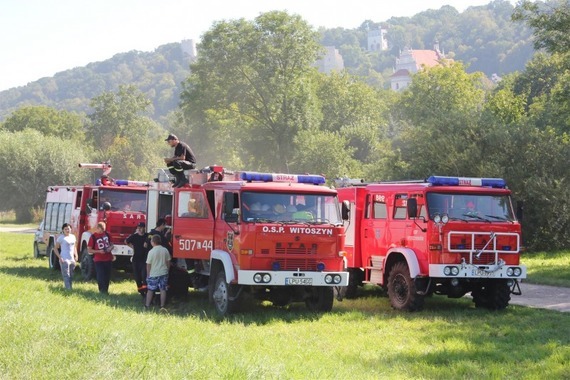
[
  {"x": 183, "y": 159},
  {"x": 106, "y": 180},
  {"x": 137, "y": 242}
]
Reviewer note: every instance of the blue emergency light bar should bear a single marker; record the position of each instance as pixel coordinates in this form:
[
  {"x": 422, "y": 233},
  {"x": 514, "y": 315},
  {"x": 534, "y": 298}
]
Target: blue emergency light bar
[
  {"x": 497, "y": 183},
  {"x": 275, "y": 177},
  {"x": 124, "y": 182}
]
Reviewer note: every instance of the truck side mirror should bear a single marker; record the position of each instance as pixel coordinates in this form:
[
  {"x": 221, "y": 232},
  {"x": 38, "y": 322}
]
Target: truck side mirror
[
  {"x": 520, "y": 210},
  {"x": 229, "y": 215},
  {"x": 345, "y": 210},
  {"x": 412, "y": 208}
]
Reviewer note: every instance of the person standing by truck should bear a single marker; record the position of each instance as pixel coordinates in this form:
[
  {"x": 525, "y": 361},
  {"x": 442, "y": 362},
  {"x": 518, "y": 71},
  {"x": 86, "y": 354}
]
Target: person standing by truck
[
  {"x": 101, "y": 248},
  {"x": 137, "y": 242},
  {"x": 183, "y": 159},
  {"x": 157, "y": 267},
  {"x": 66, "y": 251}
]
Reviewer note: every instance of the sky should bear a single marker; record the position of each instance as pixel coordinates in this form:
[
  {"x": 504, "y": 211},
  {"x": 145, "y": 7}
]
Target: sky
[{"x": 39, "y": 38}]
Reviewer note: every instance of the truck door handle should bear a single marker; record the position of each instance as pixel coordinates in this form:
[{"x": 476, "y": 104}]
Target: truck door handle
[{"x": 366, "y": 233}]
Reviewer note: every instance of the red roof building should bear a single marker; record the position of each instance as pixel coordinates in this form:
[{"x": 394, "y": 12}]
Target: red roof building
[{"x": 412, "y": 61}]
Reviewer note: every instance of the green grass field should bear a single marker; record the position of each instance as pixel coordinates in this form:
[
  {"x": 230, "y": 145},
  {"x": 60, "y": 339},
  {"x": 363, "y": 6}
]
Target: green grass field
[
  {"x": 46, "y": 333},
  {"x": 548, "y": 268}
]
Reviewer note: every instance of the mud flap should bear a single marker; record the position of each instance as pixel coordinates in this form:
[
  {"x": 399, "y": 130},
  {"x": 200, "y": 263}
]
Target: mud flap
[
  {"x": 516, "y": 289},
  {"x": 422, "y": 292},
  {"x": 339, "y": 293}
]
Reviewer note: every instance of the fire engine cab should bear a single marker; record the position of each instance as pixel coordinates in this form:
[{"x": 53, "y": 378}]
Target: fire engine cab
[
  {"x": 276, "y": 236},
  {"x": 121, "y": 204},
  {"x": 442, "y": 235}
]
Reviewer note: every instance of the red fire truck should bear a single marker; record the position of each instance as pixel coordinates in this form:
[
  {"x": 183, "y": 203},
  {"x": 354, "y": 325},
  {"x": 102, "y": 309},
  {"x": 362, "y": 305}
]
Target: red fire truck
[
  {"x": 119, "y": 203},
  {"x": 277, "y": 236},
  {"x": 442, "y": 235}
]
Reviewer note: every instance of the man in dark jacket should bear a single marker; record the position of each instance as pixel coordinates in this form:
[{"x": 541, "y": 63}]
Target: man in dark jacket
[
  {"x": 137, "y": 242},
  {"x": 183, "y": 159}
]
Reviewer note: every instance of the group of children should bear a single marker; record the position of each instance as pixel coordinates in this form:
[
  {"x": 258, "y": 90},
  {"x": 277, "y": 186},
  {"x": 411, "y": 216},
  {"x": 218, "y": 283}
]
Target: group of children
[{"x": 150, "y": 261}]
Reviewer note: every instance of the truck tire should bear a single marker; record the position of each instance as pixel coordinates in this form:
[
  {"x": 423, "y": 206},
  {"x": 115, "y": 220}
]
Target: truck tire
[
  {"x": 222, "y": 294},
  {"x": 321, "y": 299},
  {"x": 492, "y": 295},
  {"x": 87, "y": 265},
  {"x": 37, "y": 252},
  {"x": 53, "y": 260},
  {"x": 402, "y": 290}
]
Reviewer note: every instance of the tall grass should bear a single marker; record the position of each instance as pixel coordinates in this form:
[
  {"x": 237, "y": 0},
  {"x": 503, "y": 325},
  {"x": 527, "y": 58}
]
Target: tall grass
[{"x": 46, "y": 332}]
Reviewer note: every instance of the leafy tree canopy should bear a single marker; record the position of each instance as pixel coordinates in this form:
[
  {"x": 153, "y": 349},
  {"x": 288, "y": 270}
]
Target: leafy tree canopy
[
  {"x": 255, "y": 75},
  {"x": 550, "y": 22},
  {"x": 48, "y": 121},
  {"x": 31, "y": 162}
]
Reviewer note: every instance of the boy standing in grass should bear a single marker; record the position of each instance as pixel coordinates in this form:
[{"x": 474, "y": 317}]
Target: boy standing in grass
[
  {"x": 66, "y": 251},
  {"x": 157, "y": 265}
]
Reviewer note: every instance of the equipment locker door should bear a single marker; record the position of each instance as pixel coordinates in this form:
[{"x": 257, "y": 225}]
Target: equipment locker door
[{"x": 193, "y": 225}]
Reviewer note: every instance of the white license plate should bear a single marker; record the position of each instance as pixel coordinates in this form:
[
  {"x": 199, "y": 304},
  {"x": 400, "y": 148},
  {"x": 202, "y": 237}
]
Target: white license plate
[
  {"x": 298, "y": 281},
  {"x": 481, "y": 273}
]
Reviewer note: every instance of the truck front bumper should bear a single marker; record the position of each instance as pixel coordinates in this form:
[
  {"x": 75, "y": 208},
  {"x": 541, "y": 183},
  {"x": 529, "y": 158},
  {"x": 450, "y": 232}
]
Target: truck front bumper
[
  {"x": 494, "y": 271},
  {"x": 292, "y": 278}
]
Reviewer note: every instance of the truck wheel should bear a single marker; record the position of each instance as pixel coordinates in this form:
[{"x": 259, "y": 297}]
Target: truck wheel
[
  {"x": 221, "y": 295},
  {"x": 53, "y": 260},
  {"x": 37, "y": 252},
  {"x": 321, "y": 298},
  {"x": 402, "y": 289},
  {"x": 492, "y": 295},
  {"x": 87, "y": 265}
]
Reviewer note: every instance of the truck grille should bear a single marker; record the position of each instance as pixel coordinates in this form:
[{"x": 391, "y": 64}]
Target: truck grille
[
  {"x": 300, "y": 264},
  {"x": 487, "y": 244},
  {"x": 293, "y": 256},
  {"x": 287, "y": 249}
]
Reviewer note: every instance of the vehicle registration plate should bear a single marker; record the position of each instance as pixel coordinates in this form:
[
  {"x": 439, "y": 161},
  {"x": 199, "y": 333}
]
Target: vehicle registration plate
[
  {"x": 481, "y": 273},
  {"x": 298, "y": 281}
]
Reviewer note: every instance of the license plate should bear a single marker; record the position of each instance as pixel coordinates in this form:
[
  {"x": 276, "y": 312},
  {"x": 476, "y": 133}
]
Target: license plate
[
  {"x": 481, "y": 273},
  {"x": 298, "y": 281}
]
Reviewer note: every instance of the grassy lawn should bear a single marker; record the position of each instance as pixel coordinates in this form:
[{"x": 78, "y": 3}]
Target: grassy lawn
[
  {"x": 548, "y": 268},
  {"x": 46, "y": 332}
]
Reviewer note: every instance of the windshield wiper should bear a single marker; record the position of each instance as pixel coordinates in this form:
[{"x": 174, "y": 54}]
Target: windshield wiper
[
  {"x": 260, "y": 220},
  {"x": 499, "y": 218},
  {"x": 319, "y": 221},
  {"x": 456, "y": 218},
  {"x": 475, "y": 216}
]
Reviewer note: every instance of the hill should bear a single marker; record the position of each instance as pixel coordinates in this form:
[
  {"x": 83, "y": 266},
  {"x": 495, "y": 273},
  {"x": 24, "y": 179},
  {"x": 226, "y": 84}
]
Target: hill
[
  {"x": 482, "y": 37},
  {"x": 158, "y": 74}
]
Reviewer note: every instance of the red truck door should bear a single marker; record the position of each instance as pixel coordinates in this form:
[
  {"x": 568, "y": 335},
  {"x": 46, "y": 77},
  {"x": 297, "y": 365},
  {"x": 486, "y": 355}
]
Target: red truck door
[
  {"x": 193, "y": 225},
  {"x": 374, "y": 231}
]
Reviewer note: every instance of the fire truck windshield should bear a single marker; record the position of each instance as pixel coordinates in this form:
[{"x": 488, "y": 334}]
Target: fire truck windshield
[
  {"x": 261, "y": 207},
  {"x": 470, "y": 207},
  {"x": 124, "y": 200}
]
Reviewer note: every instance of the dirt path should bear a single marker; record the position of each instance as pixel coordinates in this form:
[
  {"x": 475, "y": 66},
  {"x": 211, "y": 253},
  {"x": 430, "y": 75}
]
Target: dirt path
[{"x": 544, "y": 297}]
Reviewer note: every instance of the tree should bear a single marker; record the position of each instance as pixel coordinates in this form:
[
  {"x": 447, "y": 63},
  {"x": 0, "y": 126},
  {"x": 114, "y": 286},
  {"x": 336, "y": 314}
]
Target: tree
[
  {"x": 253, "y": 76},
  {"x": 121, "y": 133},
  {"x": 46, "y": 120},
  {"x": 550, "y": 21},
  {"x": 30, "y": 163},
  {"x": 436, "y": 129}
]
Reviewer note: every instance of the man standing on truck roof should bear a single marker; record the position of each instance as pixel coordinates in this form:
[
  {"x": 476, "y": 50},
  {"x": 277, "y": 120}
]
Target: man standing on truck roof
[{"x": 183, "y": 159}]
